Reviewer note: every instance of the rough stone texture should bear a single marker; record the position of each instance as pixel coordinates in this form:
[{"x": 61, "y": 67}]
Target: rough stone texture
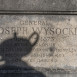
[
  {"x": 65, "y": 43},
  {"x": 39, "y": 5},
  {"x": 56, "y": 48}
]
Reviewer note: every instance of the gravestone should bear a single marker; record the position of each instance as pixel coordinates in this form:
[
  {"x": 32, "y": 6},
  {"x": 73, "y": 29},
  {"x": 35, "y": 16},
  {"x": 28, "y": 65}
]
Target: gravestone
[{"x": 38, "y": 36}]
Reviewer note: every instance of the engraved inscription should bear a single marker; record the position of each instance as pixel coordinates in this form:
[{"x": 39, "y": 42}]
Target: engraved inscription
[{"x": 56, "y": 46}]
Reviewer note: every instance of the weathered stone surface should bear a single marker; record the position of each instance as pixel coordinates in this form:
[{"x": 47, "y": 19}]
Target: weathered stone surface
[
  {"x": 56, "y": 47},
  {"x": 39, "y": 5}
]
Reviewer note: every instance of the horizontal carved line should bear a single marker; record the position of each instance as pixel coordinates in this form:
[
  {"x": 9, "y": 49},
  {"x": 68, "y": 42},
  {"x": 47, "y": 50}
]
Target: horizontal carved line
[{"x": 18, "y": 12}]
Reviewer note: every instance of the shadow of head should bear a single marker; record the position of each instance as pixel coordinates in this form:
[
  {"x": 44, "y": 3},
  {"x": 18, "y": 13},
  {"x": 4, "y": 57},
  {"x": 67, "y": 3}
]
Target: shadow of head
[
  {"x": 17, "y": 47},
  {"x": 12, "y": 50}
]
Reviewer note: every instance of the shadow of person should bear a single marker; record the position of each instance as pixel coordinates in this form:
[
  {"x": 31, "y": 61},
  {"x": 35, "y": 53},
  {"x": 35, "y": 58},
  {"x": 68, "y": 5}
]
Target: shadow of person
[{"x": 12, "y": 50}]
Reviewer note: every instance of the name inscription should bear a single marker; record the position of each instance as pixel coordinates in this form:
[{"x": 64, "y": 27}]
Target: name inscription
[{"x": 57, "y": 38}]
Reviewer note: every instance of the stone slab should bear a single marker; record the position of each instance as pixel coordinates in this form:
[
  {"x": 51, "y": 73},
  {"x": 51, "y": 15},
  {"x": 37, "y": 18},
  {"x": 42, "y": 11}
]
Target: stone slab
[
  {"x": 56, "y": 48},
  {"x": 39, "y": 5}
]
